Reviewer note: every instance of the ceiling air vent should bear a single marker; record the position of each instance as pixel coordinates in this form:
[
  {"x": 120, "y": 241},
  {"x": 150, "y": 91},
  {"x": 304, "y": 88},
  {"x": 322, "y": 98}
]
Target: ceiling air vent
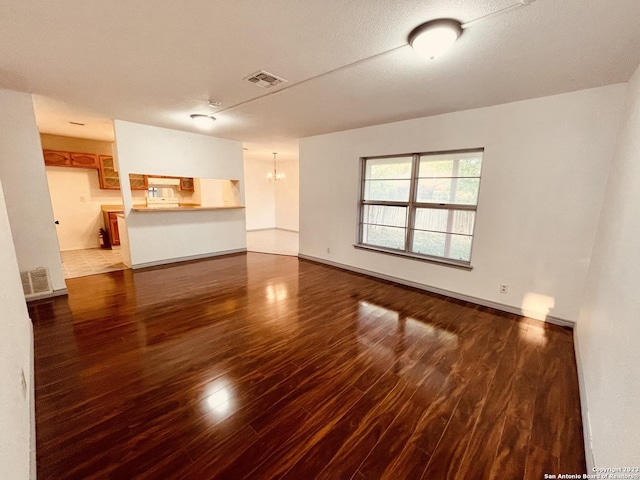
[{"x": 265, "y": 79}]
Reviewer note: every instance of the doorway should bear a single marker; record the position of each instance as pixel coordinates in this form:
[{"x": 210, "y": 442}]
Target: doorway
[{"x": 78, "y": 200}]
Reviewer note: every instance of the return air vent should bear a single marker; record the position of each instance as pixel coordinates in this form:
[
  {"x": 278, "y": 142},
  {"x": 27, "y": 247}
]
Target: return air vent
[
  {"x": 35, "y": 282},
  {"x": 265, "y": 79}
]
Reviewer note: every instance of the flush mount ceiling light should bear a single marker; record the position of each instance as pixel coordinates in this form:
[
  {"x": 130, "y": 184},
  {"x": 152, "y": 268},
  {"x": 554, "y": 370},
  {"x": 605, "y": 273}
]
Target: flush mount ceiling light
[
  {"x": 202, "y": 120},
  {"x": 432, "y": 39}
]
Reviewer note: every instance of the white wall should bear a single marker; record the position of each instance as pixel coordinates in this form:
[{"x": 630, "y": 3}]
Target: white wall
[
  {"x": 543, "y": 178},
  {"x": 25, "y": 186},
  {"x": 17, "y": 459},
  {"x": 287, "y": 196},
  {"x": 609, "y": 327},
  {"x": 163, "y": 235},
  {"x": 259, "y": 195}
]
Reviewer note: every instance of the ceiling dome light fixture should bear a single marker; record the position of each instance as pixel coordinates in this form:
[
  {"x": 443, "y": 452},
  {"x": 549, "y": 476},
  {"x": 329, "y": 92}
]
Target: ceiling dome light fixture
[
  {"x": 202, "y": 120},
  {"x": 432, "y": 39}
]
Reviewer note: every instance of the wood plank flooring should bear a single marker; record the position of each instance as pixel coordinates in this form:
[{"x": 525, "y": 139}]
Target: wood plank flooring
[{"x": 263, "y": 366}]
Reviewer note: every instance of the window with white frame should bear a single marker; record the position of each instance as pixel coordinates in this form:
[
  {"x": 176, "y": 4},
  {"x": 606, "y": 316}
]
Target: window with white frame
[{"x": 421, "y": 205}]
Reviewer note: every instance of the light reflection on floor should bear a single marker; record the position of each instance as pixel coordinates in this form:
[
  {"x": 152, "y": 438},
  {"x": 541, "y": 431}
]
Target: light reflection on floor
[
  {"x": 217, "y": 398},
  {"x": 405, "y": 330}
]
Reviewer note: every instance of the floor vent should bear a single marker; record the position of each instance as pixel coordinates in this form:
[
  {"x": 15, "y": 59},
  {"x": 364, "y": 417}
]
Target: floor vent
[
  {"x": 36, "y": 282},
  {"x": 265, "y": 79}
]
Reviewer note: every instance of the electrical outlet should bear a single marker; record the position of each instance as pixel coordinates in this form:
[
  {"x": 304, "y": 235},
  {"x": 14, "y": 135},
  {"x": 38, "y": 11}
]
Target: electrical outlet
[
  {"x": 504, "y": 288},
  {"x": 328, "y": 250}
]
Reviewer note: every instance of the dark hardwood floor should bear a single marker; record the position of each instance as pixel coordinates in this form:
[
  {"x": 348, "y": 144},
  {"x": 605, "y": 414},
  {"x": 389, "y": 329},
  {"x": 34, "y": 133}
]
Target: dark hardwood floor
[{"x": 264, "y": 366}]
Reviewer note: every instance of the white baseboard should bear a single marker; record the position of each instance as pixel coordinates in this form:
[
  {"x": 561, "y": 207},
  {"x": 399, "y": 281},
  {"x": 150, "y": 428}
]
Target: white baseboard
[
  {"x": 440, "y": 291},
  {"x": 188, "y": 258},
  {"x": 33, "y": 468},
  {"x": 584, "y": 406}
]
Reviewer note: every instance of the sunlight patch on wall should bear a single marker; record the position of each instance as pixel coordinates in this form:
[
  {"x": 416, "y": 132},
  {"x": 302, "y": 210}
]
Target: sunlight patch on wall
[{"x": 536, "y": 305}]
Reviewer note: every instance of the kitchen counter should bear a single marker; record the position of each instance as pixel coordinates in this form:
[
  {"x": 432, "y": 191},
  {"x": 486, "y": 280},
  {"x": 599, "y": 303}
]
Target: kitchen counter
[
  {"x": 118, "y": 208},
  {"x": 181, "y": 208}
]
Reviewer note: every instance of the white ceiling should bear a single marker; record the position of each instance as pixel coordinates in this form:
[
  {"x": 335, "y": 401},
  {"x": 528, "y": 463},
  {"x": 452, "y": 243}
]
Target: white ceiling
[{"x": 154, "y": 62}]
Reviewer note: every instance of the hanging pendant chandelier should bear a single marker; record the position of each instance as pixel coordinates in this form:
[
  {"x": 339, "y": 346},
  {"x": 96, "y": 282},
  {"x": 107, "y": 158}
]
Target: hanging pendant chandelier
[{"x": 275, "y": 176}]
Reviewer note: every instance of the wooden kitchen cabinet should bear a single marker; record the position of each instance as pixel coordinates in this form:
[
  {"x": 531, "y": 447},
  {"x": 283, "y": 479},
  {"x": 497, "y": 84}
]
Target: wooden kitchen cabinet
[
  {"x": 110, "y": 180},
  {"x": 138, "y": 181},
  {"x": 110, "y": 216},
  {"x": 107, "y": 173},
  {"x": 54, "y": 158},
  {"x": 187, "y": 184},
  {"x": 84, "y": 160},
  {"x": 114, "y": 233}
]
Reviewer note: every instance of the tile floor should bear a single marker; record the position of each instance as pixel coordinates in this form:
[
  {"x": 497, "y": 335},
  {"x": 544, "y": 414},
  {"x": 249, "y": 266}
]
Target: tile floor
[
  {"x": 80, "y": 263},
  {"x": 277, "y": 241}
]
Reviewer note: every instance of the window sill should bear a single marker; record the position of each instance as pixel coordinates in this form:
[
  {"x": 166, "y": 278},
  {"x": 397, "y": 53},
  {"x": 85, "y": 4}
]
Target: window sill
[{"x": 414, "y": 256}]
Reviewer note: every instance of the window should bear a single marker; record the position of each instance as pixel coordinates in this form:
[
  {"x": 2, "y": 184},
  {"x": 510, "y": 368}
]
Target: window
[{"x": 421, "y": 205}]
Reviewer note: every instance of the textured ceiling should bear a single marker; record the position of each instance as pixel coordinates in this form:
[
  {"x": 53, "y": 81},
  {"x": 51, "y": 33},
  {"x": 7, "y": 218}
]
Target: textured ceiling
[{"x": 156, "y": 62}]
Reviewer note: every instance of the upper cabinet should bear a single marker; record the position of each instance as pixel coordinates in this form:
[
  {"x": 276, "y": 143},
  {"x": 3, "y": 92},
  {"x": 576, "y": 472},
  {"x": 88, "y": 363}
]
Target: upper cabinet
[
  {"x": 109, "y": 177},
  {"x": 84, "y": 160},
  {"x": 187, "y": 184},
  {"x": 107, "y": 173},
  {"x": 137, "y": 181},
  {"x": 56, "y": 158}
]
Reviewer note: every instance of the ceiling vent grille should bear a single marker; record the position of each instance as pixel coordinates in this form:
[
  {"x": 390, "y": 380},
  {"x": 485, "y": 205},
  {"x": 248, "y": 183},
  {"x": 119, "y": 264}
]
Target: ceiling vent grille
[
  {"x": 265, "y": 79},
  {"x": 35, "y": 282}
]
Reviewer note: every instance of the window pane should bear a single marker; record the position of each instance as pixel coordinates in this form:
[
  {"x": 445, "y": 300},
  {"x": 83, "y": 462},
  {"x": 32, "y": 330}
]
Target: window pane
[
  {"x": 463, "y": 221},
  {"x": 388, "y": 168},
  {"x": 382, "y": 215},
  {"x": 460, "y": 248},
  {"x": 389, "y": 237},
  {"x": 461, "y": 191},
  {"x": 467, "y": 191},
  {"x": 430, "y": 167},
  {"x": 455, "y": 247},
  {"x": 451, "y": 165},
  {"x": 434, "y": 190},
  {"x": 429, "y": 243},
  {"x": 470, "y": 167},
  {"x": 434, "y": 219},
  {"x": 387, "y": 190},
  {"x": 440, "y": 220}
]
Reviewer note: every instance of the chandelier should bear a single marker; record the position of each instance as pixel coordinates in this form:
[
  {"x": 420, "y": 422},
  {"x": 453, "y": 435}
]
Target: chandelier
[{"x": 275, "y": 176}]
